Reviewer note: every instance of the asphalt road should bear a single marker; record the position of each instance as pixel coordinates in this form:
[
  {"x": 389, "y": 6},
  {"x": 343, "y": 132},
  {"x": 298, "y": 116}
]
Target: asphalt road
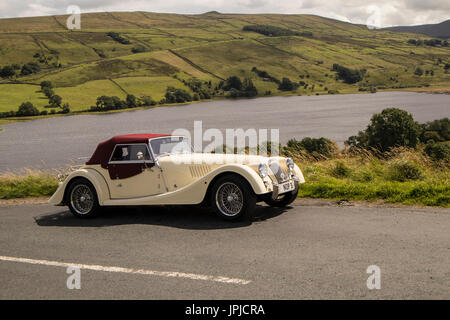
[{"x": 300, "y": 252}]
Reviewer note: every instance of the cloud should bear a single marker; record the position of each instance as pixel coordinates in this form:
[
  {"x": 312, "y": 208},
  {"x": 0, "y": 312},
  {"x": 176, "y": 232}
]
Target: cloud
[{"x": 383, "y": 12}]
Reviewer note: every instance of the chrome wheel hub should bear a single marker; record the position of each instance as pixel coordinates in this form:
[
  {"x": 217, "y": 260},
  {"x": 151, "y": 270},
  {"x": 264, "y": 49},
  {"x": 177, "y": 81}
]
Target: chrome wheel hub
[
  {"x": 82, "y": 199},
  {"x": 229, "y": 199}
]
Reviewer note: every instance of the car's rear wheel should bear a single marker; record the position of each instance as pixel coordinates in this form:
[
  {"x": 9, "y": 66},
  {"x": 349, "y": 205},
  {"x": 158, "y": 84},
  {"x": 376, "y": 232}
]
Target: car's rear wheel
[
  {"x": 82, "y": 199},
  {"x": 282, "y": 200},
  {"x": 233, "y": 198}
]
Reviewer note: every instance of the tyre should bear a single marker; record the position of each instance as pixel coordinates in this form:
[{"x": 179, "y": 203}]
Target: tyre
[
  {"x": 82, "y": 199},
  {"x": 282, "y": 200},
  {"x": 233, "y": 198}
]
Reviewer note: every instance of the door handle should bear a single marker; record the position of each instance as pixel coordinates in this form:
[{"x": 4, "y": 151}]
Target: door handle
[{"x": 119, "y": 185}]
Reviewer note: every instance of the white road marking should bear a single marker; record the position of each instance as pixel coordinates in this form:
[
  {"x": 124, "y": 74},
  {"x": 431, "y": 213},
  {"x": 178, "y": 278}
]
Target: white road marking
[{"x": 168, "y": 274}]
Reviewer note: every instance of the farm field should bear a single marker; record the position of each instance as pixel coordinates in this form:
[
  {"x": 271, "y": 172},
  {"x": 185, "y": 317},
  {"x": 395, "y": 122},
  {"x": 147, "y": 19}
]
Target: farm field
[{"x": 157, "y": 50}]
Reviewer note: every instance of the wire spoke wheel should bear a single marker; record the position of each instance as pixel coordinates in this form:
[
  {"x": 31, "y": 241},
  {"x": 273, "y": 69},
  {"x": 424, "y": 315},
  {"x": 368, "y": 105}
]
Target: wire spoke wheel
[
  {"x": 82, "y": 199},
  {"x": 229, "y": 199}
]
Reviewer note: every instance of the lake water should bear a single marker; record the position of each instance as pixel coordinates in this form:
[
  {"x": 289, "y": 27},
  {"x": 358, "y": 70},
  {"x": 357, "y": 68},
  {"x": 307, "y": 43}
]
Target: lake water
[{"x": 56, "y": 142}]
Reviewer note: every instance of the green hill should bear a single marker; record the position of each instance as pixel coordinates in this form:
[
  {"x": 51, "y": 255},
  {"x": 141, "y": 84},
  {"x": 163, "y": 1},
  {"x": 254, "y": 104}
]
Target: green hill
[{"x": 142, "y": 53}]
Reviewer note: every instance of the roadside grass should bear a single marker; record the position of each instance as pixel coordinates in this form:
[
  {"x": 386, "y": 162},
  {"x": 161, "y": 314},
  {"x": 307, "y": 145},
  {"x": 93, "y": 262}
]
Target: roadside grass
[
  {"x": 31, "y": 183},
  {"x": 402, "y": 176}
]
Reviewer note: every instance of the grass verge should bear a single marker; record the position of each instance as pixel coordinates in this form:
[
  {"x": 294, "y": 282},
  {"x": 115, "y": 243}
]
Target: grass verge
[
  {"x": 31, "y": 183},
  {"x": 405, "y": 176}
]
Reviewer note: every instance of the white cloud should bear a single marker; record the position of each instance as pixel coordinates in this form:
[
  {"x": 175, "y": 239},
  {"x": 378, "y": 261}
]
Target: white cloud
[{"x": 391, "y": 12}]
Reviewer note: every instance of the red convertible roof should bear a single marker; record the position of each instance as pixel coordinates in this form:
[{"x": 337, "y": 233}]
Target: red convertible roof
[{"x": 103, "y": 152}]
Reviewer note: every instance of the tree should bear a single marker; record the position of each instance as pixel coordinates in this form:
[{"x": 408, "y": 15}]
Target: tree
[
  {"x": 232, "y": 82},
  {"x": 175, "y": 95},
  {"x": 27, "y": 109},
  {"x": 65, "y": 108},
  {"x": 349, "y": 76},
  {"x": 392, "y": 127},
  {"x": 249, "y": 88},
  {"x": 131, "y": 101},
  {"x": 7, "y": 72},
  {"x": 418, "y": 71},
  {"x": 46, "y": 84},
  {"x": 48, "y": 92},
  {"x": 55, "y": 101},
  {"x": 30, "y": 68},
  {"x": 286, "y": 85}
]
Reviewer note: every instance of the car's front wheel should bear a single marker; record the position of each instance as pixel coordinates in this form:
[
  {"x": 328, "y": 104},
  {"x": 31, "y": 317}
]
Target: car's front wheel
[
  {"x": 233, "y": 198},
  {"x": 82, "y": 199},
  {"x": 282, "y": 200}
]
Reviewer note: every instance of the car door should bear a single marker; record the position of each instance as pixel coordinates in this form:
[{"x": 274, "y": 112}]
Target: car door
[{"x": 132, "y": 172}]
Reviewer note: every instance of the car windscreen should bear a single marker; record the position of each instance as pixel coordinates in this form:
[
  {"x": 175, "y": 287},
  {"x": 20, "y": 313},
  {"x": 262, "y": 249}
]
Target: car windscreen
[{"x": 170, "y": 145}]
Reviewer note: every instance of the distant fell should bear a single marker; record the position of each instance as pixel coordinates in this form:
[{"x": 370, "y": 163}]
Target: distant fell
[{"x": 437, "y": 30}]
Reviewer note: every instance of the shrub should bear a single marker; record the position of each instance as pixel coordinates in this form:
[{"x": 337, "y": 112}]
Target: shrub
[
  {"x": 340, "y": 170},
  {"x": 46, "y": 84},
  {"x": 348, "y": 75},
  {"x": 437, "y": 130},
  {"x": 418, "y": 71},
  {"x": 27, "y": 109},
  {"x": 315, "y": 146},
  {"x": 438, "y": 151},
  {"x": 30, "y": 68},
  {"x": 175, "y": 95},
  {"x": 271, "y": 31},
  {"x": 117, "y": 37},
  {"x": 7, "y": 72},
  {"x": 139, "y": 49},
  {"x": 147, "y": 101},
  {"x": 287, "y": 85},
  {"x": 403, "y": 170},
  {"x": 65, "y": 108}
]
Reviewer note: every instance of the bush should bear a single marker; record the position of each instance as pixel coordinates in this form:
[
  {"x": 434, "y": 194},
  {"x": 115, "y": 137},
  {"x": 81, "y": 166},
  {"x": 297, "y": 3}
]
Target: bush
[
  {"x": 438, "y": 151},
  {"x": 348, "y": 75},
  {"x": 30, "y": 68},
  {"x": 340, "y": 170},
  {"x": 7, "y": 72},
  {"x": 27, "y": 109},
  {"x": 117, "y": 37},
  {"x": 402, "y": 170},
  {"x": 391, "y": 128},
  {"x": 418, "y": 71},
  {"x": 139, "y": 49},
  {"x": 273, "y": 31},
  {"x": 46, "y": 84},
  {"x": 287, "y": 85},
  {"x": 315, "y": 146},
  {"x": 147, "y": 101},
  {"x": 175, "y": 95},
  {"x": 437, "y": 130}
]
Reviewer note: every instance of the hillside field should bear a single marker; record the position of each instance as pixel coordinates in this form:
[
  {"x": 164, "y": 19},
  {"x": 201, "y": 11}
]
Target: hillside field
[{"x": 161, "y": 50}]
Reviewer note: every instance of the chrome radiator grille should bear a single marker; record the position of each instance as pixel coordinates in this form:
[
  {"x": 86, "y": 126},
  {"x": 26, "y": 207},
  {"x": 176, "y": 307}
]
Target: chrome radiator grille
[{"x": 278, "y": 172}]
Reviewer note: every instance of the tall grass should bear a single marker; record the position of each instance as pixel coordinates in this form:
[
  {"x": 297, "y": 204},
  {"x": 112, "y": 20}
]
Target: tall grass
[
  {"x": 30, "y": 183},
  {"x": 402, "y": 175}
]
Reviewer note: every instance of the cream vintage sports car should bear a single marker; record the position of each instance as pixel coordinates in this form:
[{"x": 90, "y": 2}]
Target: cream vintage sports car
[{"x": 154, "y": 169}]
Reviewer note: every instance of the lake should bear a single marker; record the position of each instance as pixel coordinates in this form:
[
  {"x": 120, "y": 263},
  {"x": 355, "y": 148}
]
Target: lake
[{"x": 56, "y": 142}]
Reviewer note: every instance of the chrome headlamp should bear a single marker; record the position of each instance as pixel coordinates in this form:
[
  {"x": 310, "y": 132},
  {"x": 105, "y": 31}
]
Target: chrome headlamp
[
  {"x": 290, "y": 164},
  {"x": 262, "y": 168}
]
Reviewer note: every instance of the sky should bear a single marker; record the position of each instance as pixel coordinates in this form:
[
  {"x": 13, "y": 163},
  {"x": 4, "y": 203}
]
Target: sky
[{"x": 381, "y": 13}]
